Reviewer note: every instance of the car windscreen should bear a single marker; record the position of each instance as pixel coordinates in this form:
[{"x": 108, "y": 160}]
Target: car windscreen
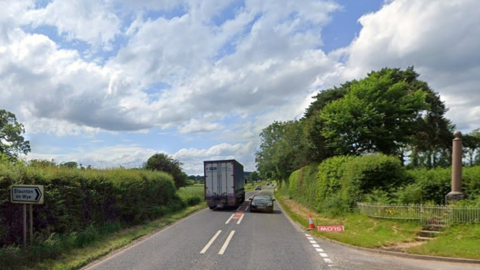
[{"x": 262, "y": 198}]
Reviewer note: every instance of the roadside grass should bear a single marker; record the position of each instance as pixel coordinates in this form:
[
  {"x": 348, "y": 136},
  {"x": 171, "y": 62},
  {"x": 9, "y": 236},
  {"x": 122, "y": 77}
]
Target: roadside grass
[
  {"x": 81, "y": 248},
  {"x": 460, "y": 240},
  {"x": 193, "y": 191},
  {"x": 359, "y": 230},
  {"x": 250, "y": 186},
  {"x": 77, "y": 258},
  {"x": 456, "y": 241}
]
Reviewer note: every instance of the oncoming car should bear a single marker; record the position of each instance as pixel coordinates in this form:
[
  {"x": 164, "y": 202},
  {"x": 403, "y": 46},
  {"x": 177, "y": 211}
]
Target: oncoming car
[
  {"x": 258, "y": 188},
  {"x": 262, "y": 202}
]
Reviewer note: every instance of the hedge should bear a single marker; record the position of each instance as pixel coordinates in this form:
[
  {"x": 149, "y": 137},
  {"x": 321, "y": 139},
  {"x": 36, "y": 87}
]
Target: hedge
[
  {"x": 338, "y": 183},
  {"x": 75, "y": 199}
]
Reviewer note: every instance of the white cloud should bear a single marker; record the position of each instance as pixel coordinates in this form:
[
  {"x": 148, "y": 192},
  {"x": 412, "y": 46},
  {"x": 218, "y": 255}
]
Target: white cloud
[
  {"x": 439, "y": 38},
  {"x": 250, "y": 63},
  {"x": 129, "y": 156},
  {"x": 193, "y": 158},
  {"x": 91, "y": 21},
  {"x": 198, "y": 126}
]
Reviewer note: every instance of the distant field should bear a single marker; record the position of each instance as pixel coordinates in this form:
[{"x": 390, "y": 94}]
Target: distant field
[{"x": 191, "y": 191}]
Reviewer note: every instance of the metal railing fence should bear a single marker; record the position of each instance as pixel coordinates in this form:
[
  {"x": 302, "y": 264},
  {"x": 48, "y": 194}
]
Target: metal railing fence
[{"x": 431, "y": 214}]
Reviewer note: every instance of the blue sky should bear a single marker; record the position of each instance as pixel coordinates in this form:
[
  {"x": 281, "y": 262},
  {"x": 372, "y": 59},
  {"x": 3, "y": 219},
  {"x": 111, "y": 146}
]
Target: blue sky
[{"x": 110, "y": 83}]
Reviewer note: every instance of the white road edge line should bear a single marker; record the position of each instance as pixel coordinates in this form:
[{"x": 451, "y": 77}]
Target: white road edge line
[
  {"x": 225, "y": 245},
  {"x": 230, "y": 218},
  {"x": 240, "y": 219},
  {"x": 210, "y": 242},
  {"x": 319, "y": 250}
]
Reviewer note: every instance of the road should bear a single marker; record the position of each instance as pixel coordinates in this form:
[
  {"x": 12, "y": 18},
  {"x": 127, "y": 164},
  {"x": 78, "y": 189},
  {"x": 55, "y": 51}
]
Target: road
[{"x": 238, "y": 239}]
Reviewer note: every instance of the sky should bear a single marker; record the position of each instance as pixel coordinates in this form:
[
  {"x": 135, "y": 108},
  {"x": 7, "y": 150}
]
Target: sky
[{"x": 109, "y": 83}]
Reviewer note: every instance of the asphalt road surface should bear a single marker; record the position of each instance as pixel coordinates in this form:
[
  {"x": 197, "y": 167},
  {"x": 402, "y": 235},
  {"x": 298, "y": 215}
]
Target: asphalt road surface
[{"x": 237, "y": 239}]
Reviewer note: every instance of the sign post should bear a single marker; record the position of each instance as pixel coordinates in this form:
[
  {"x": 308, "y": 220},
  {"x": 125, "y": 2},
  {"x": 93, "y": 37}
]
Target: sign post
[{"x": 27, "y": 194}]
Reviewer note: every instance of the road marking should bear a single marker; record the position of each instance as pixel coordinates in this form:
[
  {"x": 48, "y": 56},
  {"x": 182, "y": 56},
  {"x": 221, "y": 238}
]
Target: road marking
[
  {"x": 225, "y": 245},
  {"x": 319, "y": 250},
  {"x": 240, "y": 220},
  {"x": 230, "y": 218},
  {"x": 210, "y": 242}
]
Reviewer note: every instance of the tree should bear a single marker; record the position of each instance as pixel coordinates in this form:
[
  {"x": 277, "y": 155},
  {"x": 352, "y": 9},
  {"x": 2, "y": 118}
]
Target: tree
[
  {"x": 269, "y": 161},
  {"x": 432, "y": 141},
  {"x": 163, "y": 162},
  {"x": 69, "y": 164},
  {"x": 312, "y": 124},
  {"x": 253, "y": 177},
  {"x": 42, "y": 163},
  {"x": 282, "y": 150},
  {"x": 471, "y": 144},
  {"x": 378, "y": 114},
  {"x": 12, "y": 142}
]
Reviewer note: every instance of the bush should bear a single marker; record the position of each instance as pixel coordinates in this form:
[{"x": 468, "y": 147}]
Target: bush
[
  {"x": 335, "y": 206},
  {"x": 434, "y": 184},
  {"x": 409, "y": 194},
  {"x": 329, "y": 174},
  {"x": 75, "y": 199},
  {"x": 364, "y": 174},
  {"x": 193, "y": 201}
]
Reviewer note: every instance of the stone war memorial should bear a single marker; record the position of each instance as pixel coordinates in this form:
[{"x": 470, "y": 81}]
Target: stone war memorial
[{"x": 456, "y": 193}]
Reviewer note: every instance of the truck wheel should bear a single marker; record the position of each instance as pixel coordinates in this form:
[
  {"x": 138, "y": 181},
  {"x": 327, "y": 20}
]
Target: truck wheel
[{"x": 212, "y": 207}]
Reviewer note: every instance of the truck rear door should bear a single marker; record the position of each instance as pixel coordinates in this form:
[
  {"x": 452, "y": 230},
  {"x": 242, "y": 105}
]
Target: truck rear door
[{"x": 219, "y": 178}]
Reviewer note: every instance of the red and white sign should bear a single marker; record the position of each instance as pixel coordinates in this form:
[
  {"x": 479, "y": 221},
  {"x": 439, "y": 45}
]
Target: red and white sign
[{"x": 334, "y": 228}]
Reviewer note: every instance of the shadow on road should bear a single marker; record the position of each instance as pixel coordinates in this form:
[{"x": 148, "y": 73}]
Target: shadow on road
[{"x": 267, "y": 213}]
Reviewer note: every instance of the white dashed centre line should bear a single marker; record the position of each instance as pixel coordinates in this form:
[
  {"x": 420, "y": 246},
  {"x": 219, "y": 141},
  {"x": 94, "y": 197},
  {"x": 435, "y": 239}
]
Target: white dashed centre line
[
  {"x": 230, "y": 218},
  {"x": 210, "y": 242},
  {"x": 240, "y": 219},
  {"x": 225, "y": 245}
]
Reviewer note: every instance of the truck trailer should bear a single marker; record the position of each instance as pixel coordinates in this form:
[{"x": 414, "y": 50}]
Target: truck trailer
[{"x": 224, "y": 183}]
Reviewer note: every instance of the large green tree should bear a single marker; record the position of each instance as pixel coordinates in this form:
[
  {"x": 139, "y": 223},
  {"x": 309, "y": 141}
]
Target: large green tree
[
  {"x": 378, "y": 114},
  {"x": 12, "y": 141},
  {"x": 431, "y": 144},
  {"x": 312, "y": 124},
  {"x": 163, "y": 162},
  {"x": 282, "y": 150},
  {"x": 471, "y": 147}
]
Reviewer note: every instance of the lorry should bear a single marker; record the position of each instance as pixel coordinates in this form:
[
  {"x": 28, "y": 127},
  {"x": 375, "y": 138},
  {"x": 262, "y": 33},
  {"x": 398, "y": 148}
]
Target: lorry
[{"x": 224, "y": 183}]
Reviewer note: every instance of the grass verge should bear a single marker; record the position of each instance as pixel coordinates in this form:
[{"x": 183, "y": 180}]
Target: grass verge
[
  {"x": 457, "y": 241},
  {"x": 460, "y": 241},
  {"x": 77, "y": 249},
  {"x": 77, "y": 258}
]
